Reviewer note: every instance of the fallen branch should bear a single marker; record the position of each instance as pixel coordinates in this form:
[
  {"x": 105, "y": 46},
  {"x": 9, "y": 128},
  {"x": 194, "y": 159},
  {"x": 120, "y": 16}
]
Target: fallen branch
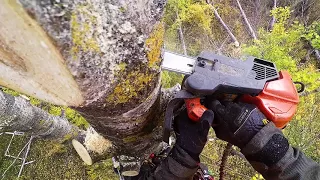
[{"x": 18, "y": 114}]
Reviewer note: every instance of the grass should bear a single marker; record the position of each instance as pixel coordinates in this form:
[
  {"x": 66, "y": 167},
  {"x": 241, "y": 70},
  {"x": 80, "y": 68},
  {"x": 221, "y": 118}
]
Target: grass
[{"x": 52, "y": 161}]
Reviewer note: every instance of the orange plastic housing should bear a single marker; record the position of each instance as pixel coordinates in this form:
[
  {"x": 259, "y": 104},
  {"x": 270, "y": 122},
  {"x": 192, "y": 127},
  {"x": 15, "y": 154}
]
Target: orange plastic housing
[
  {"x": 278, "y": 101},
  {"x": 194, "y": 108}
]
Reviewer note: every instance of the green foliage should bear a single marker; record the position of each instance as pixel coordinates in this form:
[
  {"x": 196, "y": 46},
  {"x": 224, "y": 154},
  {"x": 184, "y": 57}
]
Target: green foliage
[
  {"x": 312, "y": 34},
  {"x": 169, "y": 79},
  {"x": 195, "y": 13},
  {"x": 303, "y": 130},
  {"x": 284, "y": 47}
]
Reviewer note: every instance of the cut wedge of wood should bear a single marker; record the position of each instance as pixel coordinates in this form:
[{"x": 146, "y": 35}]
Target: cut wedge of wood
[
  {"x": 82, "y": 151},
  {"x": 29, "y": 62}
]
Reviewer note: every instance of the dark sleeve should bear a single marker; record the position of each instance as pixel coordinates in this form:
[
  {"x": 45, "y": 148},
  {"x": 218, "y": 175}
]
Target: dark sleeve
[
  {"x": 178, "y": 165},
  {"x": 271, "y": 155}
]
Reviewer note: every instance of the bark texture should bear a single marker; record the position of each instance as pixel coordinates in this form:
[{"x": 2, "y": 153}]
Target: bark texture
[
  {"x": 112, "y": 52},
  {"x": 17, "y": 114}
]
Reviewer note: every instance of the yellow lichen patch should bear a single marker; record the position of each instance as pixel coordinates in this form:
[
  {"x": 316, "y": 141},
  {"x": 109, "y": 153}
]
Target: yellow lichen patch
[
  {"x": 122, "y": 66},
  {"x": 154, "y": 44},
  {"x": 129, "y": 87},
  {"x": 82, "y": 23}
]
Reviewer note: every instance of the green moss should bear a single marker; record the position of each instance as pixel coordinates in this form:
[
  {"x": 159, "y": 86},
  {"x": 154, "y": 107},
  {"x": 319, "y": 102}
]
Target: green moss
[
  {"x": 55, "y": 110},
  {"x": 82, "y": 37},
  {"x": 129, "y": 87},
  {"x": 75, "y": 118},
  {"x": 55, "y": 148},
  {"x": 34, "y": 101},
  {"x": 101, "y": 171},
  {"x": 10, "y": 91},
  {"x": 154, "y": 45}
]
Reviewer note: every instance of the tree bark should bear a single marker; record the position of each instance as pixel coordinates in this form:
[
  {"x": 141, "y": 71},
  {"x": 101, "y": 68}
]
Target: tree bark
[
  {"x": 102, "y": 58},
  {"x": 317, "y": 54},
  {"x": 251, "y": 31},
  {"x": 17, "y": 114},
  {"x": 273, "y": 20}
]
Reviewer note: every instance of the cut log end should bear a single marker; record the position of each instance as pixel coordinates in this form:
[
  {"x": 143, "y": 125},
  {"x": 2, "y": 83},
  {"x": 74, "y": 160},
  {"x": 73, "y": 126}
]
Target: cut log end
[
  {"x": 130, "y": 173},
  {"x": 82, "y": 152}
]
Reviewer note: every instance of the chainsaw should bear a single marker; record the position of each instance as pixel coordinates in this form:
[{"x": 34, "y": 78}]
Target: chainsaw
[{"x": 255, "y": 81}]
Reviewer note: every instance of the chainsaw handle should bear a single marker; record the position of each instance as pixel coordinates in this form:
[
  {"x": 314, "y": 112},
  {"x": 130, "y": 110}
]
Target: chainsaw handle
[{"x": 194, "y": 108}]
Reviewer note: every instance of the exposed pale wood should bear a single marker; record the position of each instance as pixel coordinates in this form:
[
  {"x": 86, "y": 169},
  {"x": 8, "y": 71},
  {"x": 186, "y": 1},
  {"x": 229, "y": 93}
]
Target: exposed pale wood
[
  {"x": 224, "y": 25},
  {"x": 82, "y": 152},
  {"x": 91, "y": 146},
  {"x": 29, "y": 62},
  {"x": 244, "y": 16}
]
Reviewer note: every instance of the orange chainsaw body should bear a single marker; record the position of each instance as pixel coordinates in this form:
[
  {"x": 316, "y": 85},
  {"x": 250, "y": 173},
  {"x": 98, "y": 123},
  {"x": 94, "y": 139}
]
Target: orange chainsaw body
[{"x": 278, "y": 100}]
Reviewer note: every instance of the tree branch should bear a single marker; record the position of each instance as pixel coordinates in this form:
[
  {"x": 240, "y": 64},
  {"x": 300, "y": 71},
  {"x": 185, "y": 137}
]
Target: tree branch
[
  {"x": 224, "y": 160},
  {"x": 273, "y": 19},
  {"x": 224, "y": 25},
  {"x": 181, "y": 36},
  {"x": 252, "y": 33}
]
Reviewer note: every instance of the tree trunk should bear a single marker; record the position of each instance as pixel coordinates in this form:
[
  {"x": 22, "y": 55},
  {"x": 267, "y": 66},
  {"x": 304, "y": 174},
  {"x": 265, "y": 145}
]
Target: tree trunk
[
  {"x": 17, "y": 114},
  {"x": 273, "y": 20},
  {"x": 181, "y": 36},
  {"x": 101, "y": 57},
  {"x": 226, "y": 28},
  {"x": 317, "y": 54},
  {"x": 251, "y": 31}
]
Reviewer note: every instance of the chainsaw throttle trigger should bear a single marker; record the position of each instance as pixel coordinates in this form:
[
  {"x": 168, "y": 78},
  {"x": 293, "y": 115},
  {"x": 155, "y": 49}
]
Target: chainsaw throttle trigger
[{"x": 194, "y": 108}]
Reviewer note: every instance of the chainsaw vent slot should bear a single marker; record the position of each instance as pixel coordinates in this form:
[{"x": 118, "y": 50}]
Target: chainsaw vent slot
[{"x": 264, "y": 70}]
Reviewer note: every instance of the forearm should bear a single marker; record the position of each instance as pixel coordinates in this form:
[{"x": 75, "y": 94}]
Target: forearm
[{"x": 271, "y": 155}]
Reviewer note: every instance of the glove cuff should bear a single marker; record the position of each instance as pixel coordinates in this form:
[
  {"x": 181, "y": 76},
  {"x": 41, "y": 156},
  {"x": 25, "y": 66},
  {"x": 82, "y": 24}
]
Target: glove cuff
[{"x": 267, "y": 147}]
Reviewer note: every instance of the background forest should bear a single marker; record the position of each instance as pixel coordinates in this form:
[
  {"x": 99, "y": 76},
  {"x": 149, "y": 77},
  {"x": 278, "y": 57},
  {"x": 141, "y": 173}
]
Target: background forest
[{"x": 285, "y": 32}]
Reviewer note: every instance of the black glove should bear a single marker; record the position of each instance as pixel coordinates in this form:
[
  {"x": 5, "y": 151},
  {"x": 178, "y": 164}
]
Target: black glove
[
  {"x": 192, "y": 136},
  {"x": 237, "y": 123}
]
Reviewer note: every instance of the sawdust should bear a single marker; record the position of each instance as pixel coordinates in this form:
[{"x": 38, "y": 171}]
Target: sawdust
[{"x": 95, "y": 142}]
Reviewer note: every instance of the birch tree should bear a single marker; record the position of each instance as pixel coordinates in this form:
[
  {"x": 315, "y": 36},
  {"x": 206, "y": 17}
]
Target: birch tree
[{"x": 99, "y": 57}]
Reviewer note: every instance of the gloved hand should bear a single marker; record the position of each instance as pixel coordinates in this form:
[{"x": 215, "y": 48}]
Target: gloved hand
[
  {"x": 192, "y": 136},
  {"x": 237, "y": 123}
]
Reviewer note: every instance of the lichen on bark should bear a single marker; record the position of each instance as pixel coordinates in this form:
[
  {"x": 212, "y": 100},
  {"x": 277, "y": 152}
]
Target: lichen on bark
[{"x": 113, "y": 50}]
